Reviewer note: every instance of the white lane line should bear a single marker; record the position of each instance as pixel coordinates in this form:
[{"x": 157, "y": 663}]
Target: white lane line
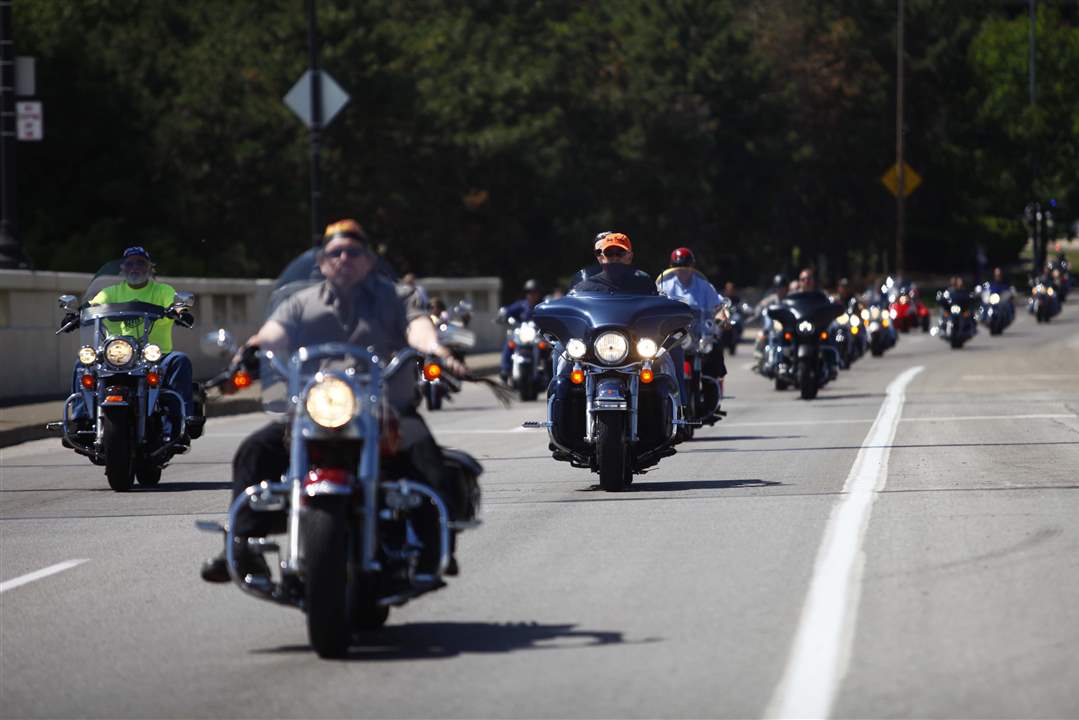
[
  {"x": 821, "y": 649},
  {"x": 39, "y": 574}
]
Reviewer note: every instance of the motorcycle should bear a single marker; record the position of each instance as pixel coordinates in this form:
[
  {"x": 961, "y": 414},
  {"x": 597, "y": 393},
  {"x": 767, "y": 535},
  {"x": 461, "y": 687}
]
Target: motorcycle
[
  {"x": 531, "y": 371},
  {"x": 905, "y": 305},
  {"x": 617, "y": 410},
  {"x": 119, "y": 383},
  {"x": 435, "y": 385},
  {"x": 1061, "y": 278},
  {"x": 355, "y": 542},
  {"x": 877, "y": 321},
  {"x": 848, "y": 334},
  {"x": 1044, "y": 303},
  {"x": 703, "y": 392},
  {"x": 996, "y": 309},
  {"x": 731, "y": 334},
  {"x": 957, "y": 323},
  {"x": 800, "y": 352}
]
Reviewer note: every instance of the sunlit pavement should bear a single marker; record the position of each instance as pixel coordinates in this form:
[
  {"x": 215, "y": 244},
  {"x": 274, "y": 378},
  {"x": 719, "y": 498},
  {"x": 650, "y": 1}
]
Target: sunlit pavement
[{"x": 680, "y": 598}]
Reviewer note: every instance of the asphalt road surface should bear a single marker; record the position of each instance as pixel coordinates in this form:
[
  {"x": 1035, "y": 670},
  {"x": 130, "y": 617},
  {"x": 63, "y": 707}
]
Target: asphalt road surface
[{"x": 906, "y": 545}]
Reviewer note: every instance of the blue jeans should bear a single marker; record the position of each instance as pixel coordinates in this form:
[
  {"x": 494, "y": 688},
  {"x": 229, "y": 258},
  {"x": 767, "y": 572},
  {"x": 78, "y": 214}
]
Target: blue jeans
[
  {"x": 176, "y": 374},
  {"x": 507, "y": 359}
]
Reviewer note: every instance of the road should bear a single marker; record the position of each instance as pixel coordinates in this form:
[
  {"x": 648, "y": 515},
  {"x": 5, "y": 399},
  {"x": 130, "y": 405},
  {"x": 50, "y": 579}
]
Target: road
[{"x": 738, "y": 579}]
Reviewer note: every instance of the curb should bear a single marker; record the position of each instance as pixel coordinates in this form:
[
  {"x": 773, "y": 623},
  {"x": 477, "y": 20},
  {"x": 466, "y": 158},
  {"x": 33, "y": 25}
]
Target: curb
[{"x": 236, "y": 406}]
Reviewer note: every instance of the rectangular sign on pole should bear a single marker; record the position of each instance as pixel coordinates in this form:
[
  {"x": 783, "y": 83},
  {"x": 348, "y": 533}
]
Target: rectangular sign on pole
[{"x": 29, "y": 120}]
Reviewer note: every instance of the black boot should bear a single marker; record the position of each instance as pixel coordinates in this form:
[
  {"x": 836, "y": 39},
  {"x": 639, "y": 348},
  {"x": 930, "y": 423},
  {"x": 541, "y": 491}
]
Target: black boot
[{"x": 216, "y": 569}]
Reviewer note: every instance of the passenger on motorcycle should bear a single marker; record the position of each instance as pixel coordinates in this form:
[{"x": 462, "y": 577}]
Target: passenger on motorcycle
[
  {"x": 358, "y": 307},
  {"x": 520, "y": 311},
  {"x": 682, "y": 281},
  {"x": 139, "y": 286}
]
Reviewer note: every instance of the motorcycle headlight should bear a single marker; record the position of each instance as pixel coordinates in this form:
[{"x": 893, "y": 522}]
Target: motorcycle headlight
[
  {"x": 526, "y": 334},
  {"x": 1049, "y": 291},
  {"x": 330, "y": 402},
  {"x": 777, "y": 326},
  {"x": 647, "y": 348},
  {"x": 805, "y": 326},
  {"x": 611, "y": 347},
  {"x": 87, "y": 355},
  {"x": 1039, "y": 288},
  {"x": 576, "y": 349},
  {"x": 994, "y": 298},
  {"x": 843, "y": 319},
  {"x": 956, "y": 309},
  {"x": 151, "y": 353},
  {"x": 855, "y": 321},
  {"x": 874, "y": 312},
  {"x": 119, "y": 352}
]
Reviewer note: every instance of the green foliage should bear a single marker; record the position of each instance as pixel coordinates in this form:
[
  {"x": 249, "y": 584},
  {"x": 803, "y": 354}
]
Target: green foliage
[{"x": 497, "y": 137}]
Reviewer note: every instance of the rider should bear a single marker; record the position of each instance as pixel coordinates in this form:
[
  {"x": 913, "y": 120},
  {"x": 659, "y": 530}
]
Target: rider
[
  {"x": 682, "y": 281},
  {"x": 139, "y": 285},
  {"x": 615, "y": 273},
  {"x": 520, "y": 311},
  {"x": 353, "y": 305}
]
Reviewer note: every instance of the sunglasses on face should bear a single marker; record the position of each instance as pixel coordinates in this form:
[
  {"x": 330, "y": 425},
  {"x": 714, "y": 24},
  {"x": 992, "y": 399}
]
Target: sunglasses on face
[
  {"x": 352, "y": 252},
  {"x": 611, "y": 253}
]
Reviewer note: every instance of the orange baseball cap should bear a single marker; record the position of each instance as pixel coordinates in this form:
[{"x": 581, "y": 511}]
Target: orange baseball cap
[
  {"x": 348, "y": 228},
  {"x": 614, "y": 239}
]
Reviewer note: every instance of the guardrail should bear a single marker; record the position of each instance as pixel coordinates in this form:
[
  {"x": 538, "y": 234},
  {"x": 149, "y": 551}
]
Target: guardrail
[{"x": 36, "y": 363}]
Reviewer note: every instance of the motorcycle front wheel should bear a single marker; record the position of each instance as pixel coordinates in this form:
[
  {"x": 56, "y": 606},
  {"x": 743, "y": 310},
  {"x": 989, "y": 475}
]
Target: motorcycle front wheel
[
  {"x": 117, "y": 437},
  {"x": 807, "y": 382},
  {"x": 147, "y": 473},
  {"x": 324, "y": 538},
  {"x": 611, "y": 450}
]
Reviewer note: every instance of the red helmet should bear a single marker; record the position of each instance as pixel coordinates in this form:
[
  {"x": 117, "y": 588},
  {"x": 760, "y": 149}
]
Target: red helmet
[{"x": 682, "y": 257}]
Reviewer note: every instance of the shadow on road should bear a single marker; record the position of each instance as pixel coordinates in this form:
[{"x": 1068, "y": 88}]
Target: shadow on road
[
  {"x": 166, "y": 486},
  {"x": 424, "y": 641},
  {"x": 676, "y": 485}
]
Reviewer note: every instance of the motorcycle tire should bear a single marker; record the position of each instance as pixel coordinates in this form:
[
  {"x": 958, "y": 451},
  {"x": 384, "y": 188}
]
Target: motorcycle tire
[
  {"x": 147, "y": 473},
  {"x": 367, "y": 614},
  {"x": 611, "y": 450},
  {"x": 324, "y": 539},
  {"x": 807, "y": 382},
  {"x": 117, "y": 437},
  {"x": 433, "y": 398},
  {"x": 528, "y": 386},
  {"x": 781, "y": 385},
  {"x": 956, "y": 342}
]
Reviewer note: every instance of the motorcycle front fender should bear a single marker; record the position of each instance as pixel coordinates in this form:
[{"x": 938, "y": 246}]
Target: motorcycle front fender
[
  {"x": 807, "y": 351},
  {"x": 611, "y": 394}
]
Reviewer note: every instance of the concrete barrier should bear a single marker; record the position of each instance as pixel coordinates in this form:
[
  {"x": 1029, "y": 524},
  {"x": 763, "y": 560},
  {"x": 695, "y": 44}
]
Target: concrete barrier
[{"x": 36, "y": 363}]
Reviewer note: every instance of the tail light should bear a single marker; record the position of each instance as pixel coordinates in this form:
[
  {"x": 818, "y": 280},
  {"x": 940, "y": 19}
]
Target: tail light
[
  {"x": 87, "y": 381},
  {"x": 576, "y": 376},
  {"x": 153, "y": 379},
  {"x": 687, "y": 367},
  {"x": 432, "y": 371},
  {"x": 241, "y": 379}
]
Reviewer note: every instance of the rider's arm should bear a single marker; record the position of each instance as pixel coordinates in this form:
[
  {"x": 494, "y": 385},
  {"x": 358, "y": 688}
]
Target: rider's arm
[
  {"x": 423, "y": 337},
  {"x": 271, "y": 336}
]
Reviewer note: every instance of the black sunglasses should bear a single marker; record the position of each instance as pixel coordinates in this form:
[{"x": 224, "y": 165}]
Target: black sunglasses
[
  {"x": 352, "y": 252},
  {"x": 612, "y": 252}
]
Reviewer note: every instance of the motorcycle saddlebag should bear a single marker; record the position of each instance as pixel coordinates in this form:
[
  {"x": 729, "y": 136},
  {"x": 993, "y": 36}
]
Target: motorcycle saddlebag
[{"x": 463, "y": 487}]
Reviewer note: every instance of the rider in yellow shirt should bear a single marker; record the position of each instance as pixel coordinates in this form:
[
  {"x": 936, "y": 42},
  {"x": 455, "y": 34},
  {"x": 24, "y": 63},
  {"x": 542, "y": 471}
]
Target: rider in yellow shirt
[{"x": 139, "y": 286}]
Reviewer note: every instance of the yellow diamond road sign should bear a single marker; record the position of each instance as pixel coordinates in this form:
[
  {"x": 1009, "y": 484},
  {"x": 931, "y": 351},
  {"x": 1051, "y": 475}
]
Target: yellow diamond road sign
[{"x": 911, "y": 179}]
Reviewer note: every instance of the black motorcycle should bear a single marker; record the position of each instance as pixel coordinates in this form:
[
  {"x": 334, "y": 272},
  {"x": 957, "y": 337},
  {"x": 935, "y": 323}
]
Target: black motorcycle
[
  {"x": 119, "y": 384},
  {"x": 616, "y": 410},
  {"x": 996, "y": 308},
  {"x": 957, "y": 316},
  {"x": 799, "y": 351},
  {"x": 731, "y": 333},
  {"x": 1044, "y": 303},
  {"x": 531, "y": 369},
  {"x": 703, "y": 392},
  {"x": 881, "y": 334}
]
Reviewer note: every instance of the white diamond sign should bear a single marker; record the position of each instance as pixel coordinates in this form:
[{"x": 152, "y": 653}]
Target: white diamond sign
[{"x": 333, "y": 98}]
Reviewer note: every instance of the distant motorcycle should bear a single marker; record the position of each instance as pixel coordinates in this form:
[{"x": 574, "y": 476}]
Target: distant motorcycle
[
  {"x": 436, "y": 385},
  {"x": 905, "y": 305},
  {"x": 531, "y": 370},
  {"x": 703, "y": 392},
  {"x": 957, "y": 322},
  {"x": 849, "y": 334},
  {"x": 996, "y": 309},
  {"x": 1044, "y": 302},
  {"x": 877, "y": 321},
  {"x": 731, "y": 334},
  {"x": 799, "y": 352},
  {"x": 120, "y": 387},
  {"x": 617, "y": 409}
]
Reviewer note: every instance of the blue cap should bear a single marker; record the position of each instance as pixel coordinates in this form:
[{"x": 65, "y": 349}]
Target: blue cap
[{"x": 136, "y": 250}]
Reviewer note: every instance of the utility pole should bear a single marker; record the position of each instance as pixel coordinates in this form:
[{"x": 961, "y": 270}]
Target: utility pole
[
  {"x": 316, "y": 122},
  {"x": 11, "y": 254},
  {"x": 900, "y": 197},
  {"x": 1039, "y": 240}
]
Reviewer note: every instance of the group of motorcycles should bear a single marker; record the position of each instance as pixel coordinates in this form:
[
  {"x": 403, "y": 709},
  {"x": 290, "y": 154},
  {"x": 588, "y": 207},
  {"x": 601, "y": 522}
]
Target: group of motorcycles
[{"x": 355, "y": 542}]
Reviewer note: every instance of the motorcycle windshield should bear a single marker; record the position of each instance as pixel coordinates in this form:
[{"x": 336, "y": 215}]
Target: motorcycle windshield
[
  {"x": 580, "y": 316},
  {"x": 98, "y": 321}
]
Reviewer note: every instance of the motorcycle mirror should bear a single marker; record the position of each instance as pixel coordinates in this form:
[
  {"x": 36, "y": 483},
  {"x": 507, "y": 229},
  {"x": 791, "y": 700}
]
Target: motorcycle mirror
[
  {"x": 68, "y": 302},
  {"x": 184, "y": 299},
  {"x": 219, "y": 343}
]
